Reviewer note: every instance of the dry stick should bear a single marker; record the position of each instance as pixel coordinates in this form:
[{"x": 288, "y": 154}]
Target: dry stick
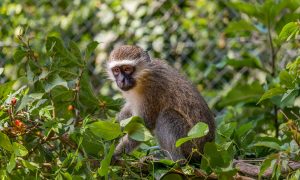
[{"x": 253, "y": 170}]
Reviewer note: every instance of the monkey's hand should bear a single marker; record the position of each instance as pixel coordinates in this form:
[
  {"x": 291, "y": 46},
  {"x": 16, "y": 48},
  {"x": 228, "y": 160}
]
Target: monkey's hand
[{"x": 124, "y": 113}]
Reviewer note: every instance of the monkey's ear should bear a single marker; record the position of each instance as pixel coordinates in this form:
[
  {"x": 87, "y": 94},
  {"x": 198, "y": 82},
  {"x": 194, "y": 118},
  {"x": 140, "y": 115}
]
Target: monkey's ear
[{"x": 146, "y": 55}]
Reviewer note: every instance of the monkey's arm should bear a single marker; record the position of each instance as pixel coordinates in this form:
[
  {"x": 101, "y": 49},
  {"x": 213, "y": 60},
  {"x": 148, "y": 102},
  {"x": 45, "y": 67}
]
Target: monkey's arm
[
  {"x": 126, "y": 145},
  {"x": 124, "y": 113}
]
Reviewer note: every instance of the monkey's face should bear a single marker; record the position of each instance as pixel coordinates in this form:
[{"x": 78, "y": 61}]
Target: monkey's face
[{"x": 124, "y": 76}]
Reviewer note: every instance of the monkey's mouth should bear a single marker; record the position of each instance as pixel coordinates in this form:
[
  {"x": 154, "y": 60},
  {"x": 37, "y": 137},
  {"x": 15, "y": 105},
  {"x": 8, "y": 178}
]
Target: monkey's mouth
[{"x": 126, "y": 85}]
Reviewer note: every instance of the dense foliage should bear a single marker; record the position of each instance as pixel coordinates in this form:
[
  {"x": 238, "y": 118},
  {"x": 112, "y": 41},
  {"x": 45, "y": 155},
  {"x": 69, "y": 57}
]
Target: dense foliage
[{"x": 57, "y": 114}]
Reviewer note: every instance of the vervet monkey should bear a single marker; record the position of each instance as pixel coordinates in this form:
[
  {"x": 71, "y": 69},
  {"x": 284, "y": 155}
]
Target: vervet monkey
[{"x": 169, "y": 104}]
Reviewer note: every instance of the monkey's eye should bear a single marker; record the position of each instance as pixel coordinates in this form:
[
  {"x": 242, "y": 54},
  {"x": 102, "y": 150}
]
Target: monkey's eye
[
  {"x": 127, "y": 69},
  {"x": 116, "y": 70}
]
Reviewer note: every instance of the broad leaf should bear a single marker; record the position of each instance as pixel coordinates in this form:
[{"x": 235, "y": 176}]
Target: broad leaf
[
  {"x": 244, "y": 93},
  {"x": 90, "y": 48},
  {"x": 239, "y": 26},
  {"x": 11, "y": 164},
  {"x": 286, "y": 79},
  {"x": 53, "y": 81},
  {"x": 19, "y": 54},
  {"x": 105, "y": 129},
  {"x": 103, "y": 170},
  {"x": 289, "y": 31},
  {"x": 271, "y": 93},
  {"x": 138, "y": 131},
  {"x": 75, "y": 50},
  {"x": 289, "y": 97},
  {"x": 19, "y": 149},
  {"x": 199, "y": 130},
  {"x": 5, "y": 142},
  {"x": 133, "y": 119},
  {"x": 267, "y": 163}
]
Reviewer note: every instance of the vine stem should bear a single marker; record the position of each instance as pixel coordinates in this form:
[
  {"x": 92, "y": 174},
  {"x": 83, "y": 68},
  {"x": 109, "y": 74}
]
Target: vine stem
[{"x": 273, "y": 73}]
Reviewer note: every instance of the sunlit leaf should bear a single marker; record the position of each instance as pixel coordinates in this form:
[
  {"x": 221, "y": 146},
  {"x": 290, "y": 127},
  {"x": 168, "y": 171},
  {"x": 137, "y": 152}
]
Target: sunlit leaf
[
  {"x": 105, "y": 129},
  {"x": 271, "y": 93},
  {"x": 11, "y": 164},
  {"x": 5, "y": 142},
  {"x": 267, "y": 163},
  {"x": 103, "y": 170},
  {"x": 289, "y": 31},
  {"x": 19, "y": 149},
  {"x": 199, "y": 130}
]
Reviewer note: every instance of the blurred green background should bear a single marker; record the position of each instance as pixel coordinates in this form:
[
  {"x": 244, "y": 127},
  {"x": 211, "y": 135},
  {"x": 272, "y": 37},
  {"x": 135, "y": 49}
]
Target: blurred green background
[{"x": 230, "y": 49}]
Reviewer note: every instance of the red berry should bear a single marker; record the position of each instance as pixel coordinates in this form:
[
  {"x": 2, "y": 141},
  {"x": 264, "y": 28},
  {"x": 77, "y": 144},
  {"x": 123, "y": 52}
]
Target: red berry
[
  {"x": 18, "y": 123},
  {"x": 70, "y": 108},
  {"x": 13, "y": 101}
]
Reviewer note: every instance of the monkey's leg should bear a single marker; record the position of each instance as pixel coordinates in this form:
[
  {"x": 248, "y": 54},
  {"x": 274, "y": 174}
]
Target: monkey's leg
[
  {"x": 126, "y": 145},
  {"x": 171, "y": 126}
]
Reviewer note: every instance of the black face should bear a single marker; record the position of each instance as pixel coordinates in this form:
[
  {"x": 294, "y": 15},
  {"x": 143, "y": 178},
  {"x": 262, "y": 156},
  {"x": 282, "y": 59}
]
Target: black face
[{"x": 123, "y": 76}]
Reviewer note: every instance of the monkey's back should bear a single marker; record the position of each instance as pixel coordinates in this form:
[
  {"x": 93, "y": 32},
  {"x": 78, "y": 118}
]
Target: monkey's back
[{"x": 175, "y": 92}]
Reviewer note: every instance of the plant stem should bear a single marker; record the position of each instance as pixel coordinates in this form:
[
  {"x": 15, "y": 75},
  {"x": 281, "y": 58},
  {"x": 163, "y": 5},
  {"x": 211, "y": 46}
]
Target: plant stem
[{"x": 273, "y": 73}]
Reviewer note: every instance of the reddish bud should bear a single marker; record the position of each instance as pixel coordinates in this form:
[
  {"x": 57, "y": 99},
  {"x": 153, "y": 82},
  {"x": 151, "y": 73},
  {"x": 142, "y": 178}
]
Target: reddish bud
[
  {"x": 18, "y": 123},
  {"x": 70, "y": 108},
  {"x": 13, "y": 101}
]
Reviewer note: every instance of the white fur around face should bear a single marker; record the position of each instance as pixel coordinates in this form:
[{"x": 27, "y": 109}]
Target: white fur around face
[{"x": 114, "y": 63}]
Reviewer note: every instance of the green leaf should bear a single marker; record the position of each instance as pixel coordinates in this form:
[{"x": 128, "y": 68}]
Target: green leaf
[
  {"x": 199, "y": 130},
  {"x": 239, "y": 26},
  {"x": 227, "y": 129},
  {"x": 227, "y": 173},
  {"x": 28, "y": 99},
  {"x": 103, "y": 170},
  {"x": 271, "y": 93},
  {"x": 90, "y": 48},
  {"x": 75, "y": 50},
  {"x": 5, "y": 142},
  {"x": 214, "y": 157},
  {"x": 289, "y": 31},
  {"x": 19, "y": 149},
  {"x": 11, "y": 164},
  {"x": 6, "y": 88},
  {"x": 245, "y": 61},
  {"x": 272, "y": 145},
  {"x": 244, "y": 128},
  {"x": 87, "y": 97},
  {"x": 244, "y": 7},
  {"x": 133, "y": 119},
  {"x": 67, "y": 176},
  {"x": 167, "y": 162},
  {"x": 243, "y": 93},
  {"x": 286, "y": 79},
  {"x": 269, "y": 142},
  {"x": 289, "y": 97},
  {"x": 56, "y": 47},
  {"x": 53, "y": 81},
  {"x": 30, "y": 165},
  {"x": 138, "y": 132},
  {"x": 19, "y": 55},
  {"x": 105, "y": 129},
  {"x": 266, "y": 164},
  {"x": 136, "y": 129}
]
